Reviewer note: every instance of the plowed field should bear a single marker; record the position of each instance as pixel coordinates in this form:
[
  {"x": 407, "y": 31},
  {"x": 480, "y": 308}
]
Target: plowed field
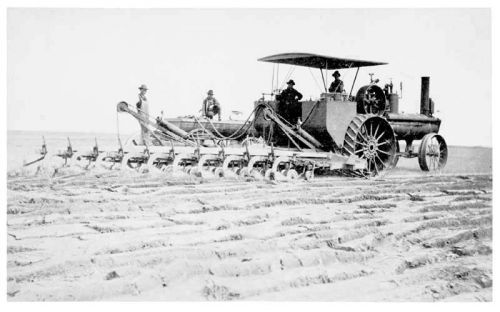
[{"x": 116, "y": 236}]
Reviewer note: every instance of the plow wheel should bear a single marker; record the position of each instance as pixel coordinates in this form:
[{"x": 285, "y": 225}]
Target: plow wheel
[
  {"x": 244, "y": 172},
  {"x": 270, "y": 175},
  {"x": 371, "y": 138},
  {"x": 433, "y": 152},
  {"x": 193, "y": 171},
  {"x": 53, "y": 163},
  {"x": 251, "y": 170},
  {"x": 82, "y": 160},
  {"x": 133, "y": 161},
  {"x": 276, "y": 172},
  {"x": 205, "y": 167},
  {"x": 257, "y": 174},
  {"x": 291, "y": 174},
  {"x": 157, "y": 162},
  {"x": 189, "y": 169},
  {"x": 180, "y": 163},
  {"x": 168, "y": 169},
  {"x": 226, "y": 170},
  {"x": 108, "y": 160},
  {"x": 219, "y": 172},
  {"x": 309, "y": 175},
  {"x": 309, "y": 171}
]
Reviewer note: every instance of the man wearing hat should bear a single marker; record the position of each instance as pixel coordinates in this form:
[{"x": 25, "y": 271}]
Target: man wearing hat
[
  {"x": 337, "y": 85},
  {"x": 211, "y": 106},
  {"x": 143, "y": 109},
  {"x": 288, "y": 101}
]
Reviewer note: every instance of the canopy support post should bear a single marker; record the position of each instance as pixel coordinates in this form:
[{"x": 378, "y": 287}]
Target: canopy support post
[
  {"x": 272, "y": 82},
  {"x": 326, "y": 74},
  {"x": 323, "y": 79},
  {"x": 277, "y": 76},
  {"x": 354, "y": 81}
]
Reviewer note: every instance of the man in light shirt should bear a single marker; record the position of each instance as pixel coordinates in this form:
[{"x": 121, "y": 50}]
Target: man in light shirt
[
  {"x": 143, "y": 109},
  {"x": 211, "y": 106}
]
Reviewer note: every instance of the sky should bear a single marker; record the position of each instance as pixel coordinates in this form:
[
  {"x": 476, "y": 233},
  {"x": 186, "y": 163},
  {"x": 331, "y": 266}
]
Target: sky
[{"x": 68, "y": 68}]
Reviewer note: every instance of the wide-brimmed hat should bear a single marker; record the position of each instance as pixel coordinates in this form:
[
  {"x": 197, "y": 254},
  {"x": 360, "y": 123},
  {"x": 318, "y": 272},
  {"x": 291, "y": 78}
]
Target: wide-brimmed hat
[
  {"x": 210, "y": 92},
  {"x": 290, "y": 82},
  {"x": 143, "y": 87},
  {"x": 336, "y": 74}
]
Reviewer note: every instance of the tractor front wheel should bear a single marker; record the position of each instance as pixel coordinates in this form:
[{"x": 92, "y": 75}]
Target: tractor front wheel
[{"x": 433, "y": 152}]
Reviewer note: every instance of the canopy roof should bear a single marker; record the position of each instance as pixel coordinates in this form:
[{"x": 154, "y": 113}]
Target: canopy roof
[{"x": 317, "y": 61}]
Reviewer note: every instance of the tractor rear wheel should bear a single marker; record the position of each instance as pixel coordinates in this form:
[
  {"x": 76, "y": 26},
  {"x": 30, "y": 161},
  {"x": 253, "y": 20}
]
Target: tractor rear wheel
[
  {"x": 433, "y": 152},
  {"x": 371, "y": 138}
]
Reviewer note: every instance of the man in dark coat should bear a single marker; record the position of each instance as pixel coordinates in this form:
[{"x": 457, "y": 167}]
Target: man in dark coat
[
  {"x": 337, "y": 85},
  {"x": 288, "y": 101}
]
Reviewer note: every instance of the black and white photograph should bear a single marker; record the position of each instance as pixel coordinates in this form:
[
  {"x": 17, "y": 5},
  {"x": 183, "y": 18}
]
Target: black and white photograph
[{"x": 248, "y": 154}]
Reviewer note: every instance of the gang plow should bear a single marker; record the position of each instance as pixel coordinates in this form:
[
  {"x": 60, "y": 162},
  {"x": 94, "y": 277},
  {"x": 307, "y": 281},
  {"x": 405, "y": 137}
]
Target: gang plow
[
  {"x": 337, "y": 134},
  {"x": 176, "y": 152}
]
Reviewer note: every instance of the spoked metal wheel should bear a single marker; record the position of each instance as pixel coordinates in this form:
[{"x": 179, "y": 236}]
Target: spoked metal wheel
[
  {"x": 433, "y": 152},
  {"x": 371, "y": 138},
  {"x": 370, "y": 100}
]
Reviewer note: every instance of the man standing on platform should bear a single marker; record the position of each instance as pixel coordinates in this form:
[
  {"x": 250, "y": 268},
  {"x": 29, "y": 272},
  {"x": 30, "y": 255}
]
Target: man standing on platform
[{"x": 143, "y": 109}]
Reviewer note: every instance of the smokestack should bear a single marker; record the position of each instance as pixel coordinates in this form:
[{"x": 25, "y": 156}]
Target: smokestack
[{"x": 424, "y": 97}]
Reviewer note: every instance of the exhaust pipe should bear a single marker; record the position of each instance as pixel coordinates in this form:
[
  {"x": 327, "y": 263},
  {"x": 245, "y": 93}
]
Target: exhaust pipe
[{"x": 424, "y": 97}]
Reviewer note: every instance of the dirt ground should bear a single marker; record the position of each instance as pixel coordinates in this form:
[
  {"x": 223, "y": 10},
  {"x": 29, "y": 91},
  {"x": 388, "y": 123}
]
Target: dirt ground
[{"x": 406, "y": 236}]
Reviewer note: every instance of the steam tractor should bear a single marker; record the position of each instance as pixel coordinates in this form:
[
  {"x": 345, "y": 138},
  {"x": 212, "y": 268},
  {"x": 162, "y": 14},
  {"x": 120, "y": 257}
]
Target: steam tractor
[
  {"x": 340, "y": 133},
  {"x": 367, "y": 125}
]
